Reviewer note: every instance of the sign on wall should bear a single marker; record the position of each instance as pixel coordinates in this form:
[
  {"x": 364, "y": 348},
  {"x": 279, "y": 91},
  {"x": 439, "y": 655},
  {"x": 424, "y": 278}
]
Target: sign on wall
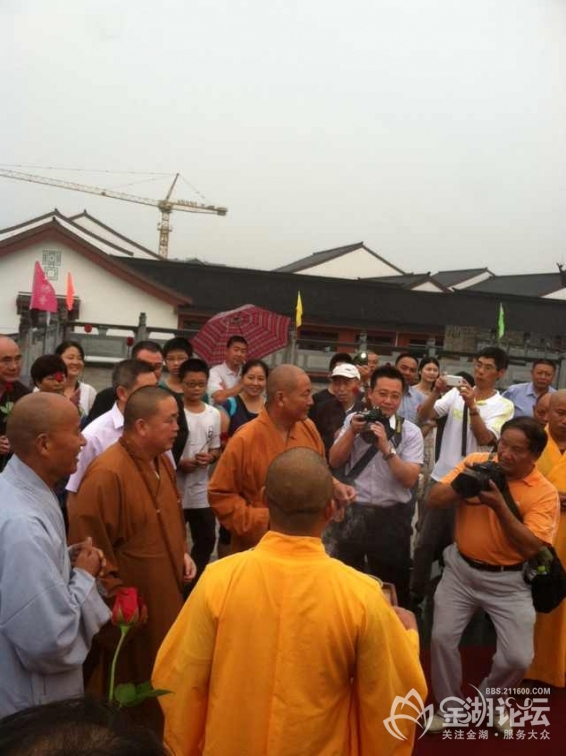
[{"x": 51, "y": 264}]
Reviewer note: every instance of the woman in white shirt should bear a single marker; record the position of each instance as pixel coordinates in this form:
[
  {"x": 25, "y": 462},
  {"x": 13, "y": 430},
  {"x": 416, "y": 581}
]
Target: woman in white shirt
[{"x": 81, "y": 394}]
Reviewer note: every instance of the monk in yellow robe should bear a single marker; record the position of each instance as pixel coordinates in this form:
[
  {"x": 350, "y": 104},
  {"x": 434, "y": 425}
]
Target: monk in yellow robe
[
  {"x": 284, "y": 651},
  {"x": 128, "y": 502},
  {"x": 549, "y": 664}
]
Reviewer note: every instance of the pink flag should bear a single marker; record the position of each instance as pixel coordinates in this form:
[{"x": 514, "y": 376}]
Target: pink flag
[
  {"x": 43, "y": 295},
  {"x": 70, "y": 296}
]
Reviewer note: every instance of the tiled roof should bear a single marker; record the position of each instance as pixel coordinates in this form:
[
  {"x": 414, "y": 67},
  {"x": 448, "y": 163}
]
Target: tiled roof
[
  {"x": 331, "y": 254},
  {"x": 455, "y": 277},
  {"x": 409, "y": 280},
  {"x": 528, "y": 285},
  {"x": 344, "y": 302}
]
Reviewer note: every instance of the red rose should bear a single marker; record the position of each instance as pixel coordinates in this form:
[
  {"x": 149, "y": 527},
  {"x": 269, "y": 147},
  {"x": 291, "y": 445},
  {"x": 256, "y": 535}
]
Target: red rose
[
  {"x": 129, "y": 609},
  {"x": 88, "y": 328},
  {"x": 8, "y": 388},
  {"x": 59, "y": 377},
  {"x": 130, "y": 340}
]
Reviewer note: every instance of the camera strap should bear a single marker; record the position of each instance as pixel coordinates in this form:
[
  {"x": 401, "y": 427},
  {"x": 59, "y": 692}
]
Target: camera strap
[
  {"x": 370, "y": 453},
  {"x": 464, "y": 448}
]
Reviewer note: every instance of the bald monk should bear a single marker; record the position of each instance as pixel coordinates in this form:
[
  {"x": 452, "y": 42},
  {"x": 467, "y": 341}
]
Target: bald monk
[
  {"x": 10, "y": 389},
  {"x": 235, "y": 489},
  {"x": 540, "y": 410},
  {"x": 128, "y": 503},
  {"x": 49, "y": 604},
  {"x": 282, "y": 650},
  {"x": 549, "y": 664}
]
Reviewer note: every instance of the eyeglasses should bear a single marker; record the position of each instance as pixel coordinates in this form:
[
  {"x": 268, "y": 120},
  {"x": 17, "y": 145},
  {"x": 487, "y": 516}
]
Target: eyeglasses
[
  {"x": 484, "y": 366},
  {"x": 194, "y": 384}
]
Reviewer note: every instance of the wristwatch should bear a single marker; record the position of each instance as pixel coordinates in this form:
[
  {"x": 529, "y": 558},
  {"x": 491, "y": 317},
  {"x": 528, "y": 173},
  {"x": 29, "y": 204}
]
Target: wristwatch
[{"x": 391, "y": 453}]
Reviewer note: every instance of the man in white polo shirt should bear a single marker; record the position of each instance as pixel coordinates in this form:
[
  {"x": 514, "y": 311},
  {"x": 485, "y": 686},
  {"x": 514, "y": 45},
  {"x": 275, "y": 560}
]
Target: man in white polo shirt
[
  {"x": 475, "y": 417},
  {"x": 224, "y": 380},
  {"x": 105, "y": 430}
]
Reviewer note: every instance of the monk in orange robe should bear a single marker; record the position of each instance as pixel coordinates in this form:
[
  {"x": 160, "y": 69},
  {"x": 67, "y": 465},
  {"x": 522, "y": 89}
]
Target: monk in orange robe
[
  {"x": 235, "y": 489},
  {"x": 549, "y": 664},
  {"x": 128, "y": 502},
  {"x": 283, "y": 651}
]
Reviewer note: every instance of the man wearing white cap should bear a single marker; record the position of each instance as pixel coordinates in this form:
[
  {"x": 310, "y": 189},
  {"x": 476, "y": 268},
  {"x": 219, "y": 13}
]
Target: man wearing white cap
[{"x": 345, "y": 380}]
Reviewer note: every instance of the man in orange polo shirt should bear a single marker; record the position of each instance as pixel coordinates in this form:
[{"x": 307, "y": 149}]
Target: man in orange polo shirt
[
  {"x": 235, "y": 491},
  {"x": 484, "y": 567}
]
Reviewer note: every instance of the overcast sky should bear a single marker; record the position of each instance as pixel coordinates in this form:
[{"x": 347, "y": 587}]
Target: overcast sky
[{"x": 433, "y": 130}]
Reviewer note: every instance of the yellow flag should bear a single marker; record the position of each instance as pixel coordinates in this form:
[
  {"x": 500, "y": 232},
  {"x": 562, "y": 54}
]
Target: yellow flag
[{"x": 299, "y": 311}]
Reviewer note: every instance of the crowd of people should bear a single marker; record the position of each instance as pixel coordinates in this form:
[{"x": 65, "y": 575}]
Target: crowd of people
[{"x": 338, "y": 509}]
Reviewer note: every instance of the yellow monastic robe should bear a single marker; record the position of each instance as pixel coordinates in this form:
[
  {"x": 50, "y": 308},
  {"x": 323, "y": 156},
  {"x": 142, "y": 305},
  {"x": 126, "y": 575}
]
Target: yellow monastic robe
[
  {"x": 283, "y": 651},
  {"x": 549, "y": 664}
]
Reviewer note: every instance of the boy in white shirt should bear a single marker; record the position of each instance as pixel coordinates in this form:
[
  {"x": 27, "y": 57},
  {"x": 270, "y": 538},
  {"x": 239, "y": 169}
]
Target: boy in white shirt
[{"x": 201, "y": 450}]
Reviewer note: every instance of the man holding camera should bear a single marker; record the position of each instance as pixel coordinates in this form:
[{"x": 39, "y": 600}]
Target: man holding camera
[
  {"x": 382, "y": 455},
  {"x": 474, "y": 417},
  {"x": 484, "y": 567}
]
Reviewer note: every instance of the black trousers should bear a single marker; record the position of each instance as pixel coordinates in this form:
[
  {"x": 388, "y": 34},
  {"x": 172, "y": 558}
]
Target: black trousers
[
  {"x": 435, "y": 533},
  {"x": 202, "y": 524},
  {"x": 377, "y": 540}
]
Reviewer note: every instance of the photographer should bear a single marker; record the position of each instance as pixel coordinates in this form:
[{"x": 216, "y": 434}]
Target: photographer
[
  {"x": 474, "y": 417},
  {"x": 382, "y": 456},
  {"x": 484, "y": 568}
]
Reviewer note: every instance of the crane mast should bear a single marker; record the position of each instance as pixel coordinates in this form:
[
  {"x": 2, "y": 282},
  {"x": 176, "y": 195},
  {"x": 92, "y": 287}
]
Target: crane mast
[{"x": 165, "y": 206}]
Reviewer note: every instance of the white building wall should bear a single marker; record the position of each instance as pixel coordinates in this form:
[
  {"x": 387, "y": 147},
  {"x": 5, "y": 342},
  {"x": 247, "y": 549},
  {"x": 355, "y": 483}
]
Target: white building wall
[
  {"x": 356, "y": 264},
  {"x": 473, "y": 281},
  {"x": 104, "y": 298},
  {"x": 428, "y": 286},
  {"x": 560, "y": 294}
]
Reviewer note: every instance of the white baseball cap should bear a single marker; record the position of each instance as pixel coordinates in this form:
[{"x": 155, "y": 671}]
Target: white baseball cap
[{"x": 345, "y": 371}]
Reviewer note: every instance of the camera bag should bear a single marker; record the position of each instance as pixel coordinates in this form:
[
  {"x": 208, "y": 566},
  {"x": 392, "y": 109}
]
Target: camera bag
[{"x": 548, "y": 581}]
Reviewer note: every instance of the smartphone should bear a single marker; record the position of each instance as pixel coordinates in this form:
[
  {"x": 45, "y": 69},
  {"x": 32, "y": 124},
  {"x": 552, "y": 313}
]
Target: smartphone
[{"x": 454, "y": 381}]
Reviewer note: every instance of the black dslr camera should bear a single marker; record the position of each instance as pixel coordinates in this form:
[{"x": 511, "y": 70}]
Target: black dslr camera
[
  {"x": 375, "y": 415},
  {"x": 476, "y": 479}
]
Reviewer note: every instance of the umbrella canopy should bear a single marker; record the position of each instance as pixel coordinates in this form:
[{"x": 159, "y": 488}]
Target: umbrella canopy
[{"x": 264, "y": 331}]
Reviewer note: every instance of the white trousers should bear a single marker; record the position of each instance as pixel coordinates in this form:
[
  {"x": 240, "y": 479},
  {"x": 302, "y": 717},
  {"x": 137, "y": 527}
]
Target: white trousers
[{"x": 506, "y": 598}]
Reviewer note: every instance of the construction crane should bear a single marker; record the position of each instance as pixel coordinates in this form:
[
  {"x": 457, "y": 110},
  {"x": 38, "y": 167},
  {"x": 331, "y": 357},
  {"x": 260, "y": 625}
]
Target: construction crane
[{"x": 166, "y": 206}]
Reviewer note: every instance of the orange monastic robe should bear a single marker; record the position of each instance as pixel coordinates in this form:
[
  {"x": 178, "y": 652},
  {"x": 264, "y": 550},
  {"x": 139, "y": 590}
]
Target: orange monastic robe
[
  {"x": 236, "y": 487},
  {"x": 135, "y": 517},
  {"x": 549, "y": 664},
  {"x": 283, "y": 651}
]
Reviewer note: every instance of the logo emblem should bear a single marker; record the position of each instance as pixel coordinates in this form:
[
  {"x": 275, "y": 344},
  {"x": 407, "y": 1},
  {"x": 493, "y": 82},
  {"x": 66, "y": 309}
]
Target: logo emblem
[{"x": 422, "y": 714}]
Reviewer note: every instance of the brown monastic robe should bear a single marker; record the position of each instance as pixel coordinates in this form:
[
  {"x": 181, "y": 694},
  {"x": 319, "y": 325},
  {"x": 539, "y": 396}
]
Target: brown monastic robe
[{"x": 135, "y": 517}]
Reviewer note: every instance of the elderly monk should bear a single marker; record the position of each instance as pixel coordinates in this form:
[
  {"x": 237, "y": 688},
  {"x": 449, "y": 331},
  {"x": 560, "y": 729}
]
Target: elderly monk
[
  {"x": 549, "y": 664},
  {"x": 49, "y": 604},
  {"x": 10, "y": 389},
  {"x": 128, "y": 503},
  {"x": 235, "y": 489},
  {"x": 282, "y": 650}
]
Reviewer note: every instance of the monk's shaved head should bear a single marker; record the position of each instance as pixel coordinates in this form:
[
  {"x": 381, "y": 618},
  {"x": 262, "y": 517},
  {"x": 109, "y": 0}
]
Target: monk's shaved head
[
  {"x": 34, "y": 415},
  {"x": 143, "y": 404},
  {"x": 283, "y": 378},
  {"x": 558, "y": 398},
  {"x": 298, "y": 487},
  {"x": 557, "y": 416}
]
